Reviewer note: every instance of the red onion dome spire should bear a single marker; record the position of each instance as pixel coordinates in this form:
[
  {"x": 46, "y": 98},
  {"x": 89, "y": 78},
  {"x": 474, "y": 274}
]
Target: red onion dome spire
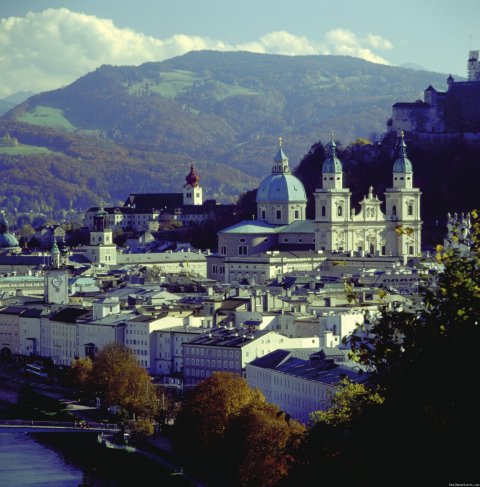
[{"x": 192, "y": 178}]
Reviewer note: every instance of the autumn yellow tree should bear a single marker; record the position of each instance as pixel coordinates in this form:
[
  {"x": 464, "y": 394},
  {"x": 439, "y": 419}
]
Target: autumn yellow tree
[
  {"x": 80, "y": 375},
  {"x": 212, "y": 405},
  {"x": 264, "y": 439},
  {"x": 120, "y": 381}
]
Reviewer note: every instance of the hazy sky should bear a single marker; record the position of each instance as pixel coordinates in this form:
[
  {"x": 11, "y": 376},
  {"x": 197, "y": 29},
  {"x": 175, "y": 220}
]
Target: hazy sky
[{"x": 45, "y": 44}]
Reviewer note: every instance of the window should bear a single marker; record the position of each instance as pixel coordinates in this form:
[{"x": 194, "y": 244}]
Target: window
[
  {"x": 223, "y": 249},
  {"x": 340, "y": 211},
  {"x": 394, "y": 210},
  {"x": 263, "y": 215},
  {"x": 242, "y": 240},
  {"x": 242, "y": 250},
  {"x": 297, "y": 215},
  {"x": 323, "y": 210},
  {"x": 383, "y": 250},
  {"x": 214, "y": 269},
  {"x": 410, "y": 210},
  {"x": 410, "y": 250},
  {"x": 278, "y": 214},
  {"x": 372, "y": 249}
]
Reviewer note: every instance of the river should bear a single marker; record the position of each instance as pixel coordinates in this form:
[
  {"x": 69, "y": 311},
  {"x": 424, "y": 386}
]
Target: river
[{"x": 74, "y": 460}]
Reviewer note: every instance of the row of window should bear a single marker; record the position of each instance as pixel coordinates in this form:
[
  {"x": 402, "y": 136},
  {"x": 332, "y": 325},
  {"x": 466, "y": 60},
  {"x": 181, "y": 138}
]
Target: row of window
[
  {"x": 370, "y": 212},
  {"x": 211, "y": 352},
  {"x": 130, "y": 341},
  {"x": 212, "y": 363}
]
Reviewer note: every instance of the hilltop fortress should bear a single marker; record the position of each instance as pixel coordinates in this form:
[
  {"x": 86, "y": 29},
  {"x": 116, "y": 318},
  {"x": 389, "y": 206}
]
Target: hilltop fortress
[{"x": 455, "y": 111}]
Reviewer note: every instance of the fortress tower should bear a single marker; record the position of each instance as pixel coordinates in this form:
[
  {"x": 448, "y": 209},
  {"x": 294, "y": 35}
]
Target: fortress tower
[{"x": 473, "y": 66}]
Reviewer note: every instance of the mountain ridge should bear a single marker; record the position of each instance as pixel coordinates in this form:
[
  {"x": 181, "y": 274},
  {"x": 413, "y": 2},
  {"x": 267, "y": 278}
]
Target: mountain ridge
[{"x": 220, "y": 111}]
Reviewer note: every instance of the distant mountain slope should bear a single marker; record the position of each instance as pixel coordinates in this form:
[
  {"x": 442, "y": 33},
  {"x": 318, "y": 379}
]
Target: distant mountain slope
[
  {"x": 223, "y": 110},
  {"x": 14, "y": 99}
]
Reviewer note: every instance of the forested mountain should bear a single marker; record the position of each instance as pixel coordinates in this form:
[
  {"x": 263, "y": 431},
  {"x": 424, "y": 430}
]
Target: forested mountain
[{"x": 123, "y": 129}]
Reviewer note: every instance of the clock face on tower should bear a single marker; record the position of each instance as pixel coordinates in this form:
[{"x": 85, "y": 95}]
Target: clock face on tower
[{"x": 57, "y": 281}]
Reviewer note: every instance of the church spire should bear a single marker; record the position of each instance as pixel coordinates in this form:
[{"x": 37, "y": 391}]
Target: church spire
[
  {"x": 402, "y": 167},
  {"x": 402, "y": 163},
  {"x": 280, "y": 165},
  {"x": 332, "y": 163}
]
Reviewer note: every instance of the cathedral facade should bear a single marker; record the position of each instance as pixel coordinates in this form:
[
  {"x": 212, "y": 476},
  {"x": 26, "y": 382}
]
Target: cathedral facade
[
  {"x": 280, "y": 233},
  {"x": 397, "y": 232}
]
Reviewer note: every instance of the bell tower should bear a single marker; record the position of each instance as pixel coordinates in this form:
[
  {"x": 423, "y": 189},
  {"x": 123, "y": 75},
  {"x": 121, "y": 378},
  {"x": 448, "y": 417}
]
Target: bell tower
[
  {"x": 402, "y": 205},
  {"x": 332, "y": 205},
  {"x": 56, "y": 279},
  {"x": 192, "y": 191}
]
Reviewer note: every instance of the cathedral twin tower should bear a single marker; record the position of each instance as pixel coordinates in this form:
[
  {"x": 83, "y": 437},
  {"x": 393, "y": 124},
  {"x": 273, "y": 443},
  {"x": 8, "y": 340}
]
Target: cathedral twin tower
[{"x": 397, "y": 232}]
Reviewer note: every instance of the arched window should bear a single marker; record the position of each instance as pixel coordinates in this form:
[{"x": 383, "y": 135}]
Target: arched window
[
  {"x": 323, "y": 210},
  {"x": 410, "y": 210},
  {"x": 340, "y": 211},
  {"x": 278, "y": 214},
  {"x": 394, "y": 210},
  {"x": 372, "y": 249},
  {"x": 264, "y": 214}
]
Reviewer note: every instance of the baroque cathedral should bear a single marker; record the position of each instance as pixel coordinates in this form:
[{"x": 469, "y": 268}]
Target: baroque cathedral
[{"x": 281, "y": 225}]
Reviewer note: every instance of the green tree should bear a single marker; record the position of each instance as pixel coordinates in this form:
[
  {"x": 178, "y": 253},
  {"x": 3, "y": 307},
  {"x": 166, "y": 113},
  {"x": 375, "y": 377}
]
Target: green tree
[
  {"x": 349, "y": 402},
  {"x": 425, "y": 364}
]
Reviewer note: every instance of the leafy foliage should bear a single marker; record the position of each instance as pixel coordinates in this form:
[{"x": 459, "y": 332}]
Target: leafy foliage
[
  {"x": 228, "y": 426},
  {"x": 348, "y": 403},
  {"x": 425, "y": 366},
  {"x": 120, "y": 381}
]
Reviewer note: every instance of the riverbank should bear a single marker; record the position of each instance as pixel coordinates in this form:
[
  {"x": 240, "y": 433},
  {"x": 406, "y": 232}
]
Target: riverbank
[{"x": 109, "y": 467}]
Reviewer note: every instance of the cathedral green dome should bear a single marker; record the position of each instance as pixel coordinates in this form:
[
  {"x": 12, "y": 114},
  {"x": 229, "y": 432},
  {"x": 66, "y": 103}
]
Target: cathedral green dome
[
  {"x": 7, "y": 239},
  {"x": 332, "y": 163},
  {"x": 281, "y": 186},
  {"x": 402, "y": 164}
]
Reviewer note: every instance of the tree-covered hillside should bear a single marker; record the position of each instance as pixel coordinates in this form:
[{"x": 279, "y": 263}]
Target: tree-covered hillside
[{"x": 140, "y": 127}]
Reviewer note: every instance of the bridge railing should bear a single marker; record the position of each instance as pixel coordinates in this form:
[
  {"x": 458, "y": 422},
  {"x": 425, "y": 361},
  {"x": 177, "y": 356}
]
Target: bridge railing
[{"x": 59, "y": 424}]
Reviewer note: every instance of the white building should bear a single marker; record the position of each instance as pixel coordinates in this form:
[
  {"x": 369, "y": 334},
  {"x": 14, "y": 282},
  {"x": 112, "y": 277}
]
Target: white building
[
  {"x": 29, "y": 331},
  {"x": 168, "y": 346},
  {"x": 168, "y": 262},
  {"x": 102, "y": 250},
  {"x": 301, "y": 381},
  {"x": 230, "y": 349}
]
